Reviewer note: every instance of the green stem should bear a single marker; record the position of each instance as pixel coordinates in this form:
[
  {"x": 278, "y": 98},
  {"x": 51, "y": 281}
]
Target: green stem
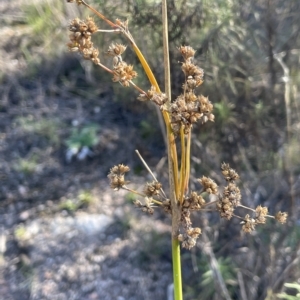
[{"x": 176, "y": 269}]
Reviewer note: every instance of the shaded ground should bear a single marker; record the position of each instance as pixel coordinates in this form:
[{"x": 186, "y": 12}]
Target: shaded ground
[{"x": 88, "y": 256}]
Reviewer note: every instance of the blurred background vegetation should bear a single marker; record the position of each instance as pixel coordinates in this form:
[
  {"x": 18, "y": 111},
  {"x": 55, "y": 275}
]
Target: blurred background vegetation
[{"x": 52, "y": 102}]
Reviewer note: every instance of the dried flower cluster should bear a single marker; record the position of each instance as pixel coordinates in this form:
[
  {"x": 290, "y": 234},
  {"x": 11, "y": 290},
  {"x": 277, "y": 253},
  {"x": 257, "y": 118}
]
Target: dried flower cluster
[
  {"x": 117, "y": 176},
  {"x": 231, "y": 195},
  {"x": 157, "y": 98},
  {"x": 189, "y": 238},
  {"x": 152, "y": 189},
  {"x": 81, "y": 39},
  {"x": 230, "y": 199},
  {"x": 123, "y": 72},
  {"x": 228, "y": 173},
  {"x": 209, "y": 186},
  {"x": 193, "y": 202},
  {"x": 281, "y": 217},
  {"x": 188, "y": 108}
]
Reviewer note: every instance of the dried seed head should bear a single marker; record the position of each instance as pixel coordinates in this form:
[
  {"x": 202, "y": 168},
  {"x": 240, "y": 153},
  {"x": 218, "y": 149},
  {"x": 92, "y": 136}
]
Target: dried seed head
[
  {"x": 190, "y": 97},
  {"x": 158, "y": 98},
  {"x": 197, "y": 199},
  {"x": 116, "y": 49},
  {"x": 116, "y": 176},
  {"x": 206, "y": 106},
  {"x": 123, "y": 73},
  {"x": 187, "y": 52},
  {"x": 119, "y": 169},
  {"x": 190, "y": 83},
  {"x": 117, "y": 181},
  {"x": 167, "y": 206},
  {"x": 80, "y": 38},
  {"x": 190, "y": 69},
  {"x": 193, "y": 201},
  {"x": 229, "y": 173},
  {"x": 232, "y": 193},
  {"x": 187, "y": 242},
  {"x": 249, "y": 224},
  {"x": 193, "y": 232},
  {"x": 91, "y": 54},
  {"x": 209, "y": 186},
  {"x": 281, "y": 217},
  {"x": 92, "y": 27},
  {"x": 225, "y": 208},
  {"x": 86, "y": 28},
  {"x": 152, "y": 189},
  {"x": 261, "y": 213}
]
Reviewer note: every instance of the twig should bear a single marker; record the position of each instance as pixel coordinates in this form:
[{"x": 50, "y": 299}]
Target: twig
[{"x": 149, "y": 170}]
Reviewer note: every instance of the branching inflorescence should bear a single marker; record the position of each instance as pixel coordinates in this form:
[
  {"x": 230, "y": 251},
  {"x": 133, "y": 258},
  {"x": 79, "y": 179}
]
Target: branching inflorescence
[{"x": 179, "y": 116}]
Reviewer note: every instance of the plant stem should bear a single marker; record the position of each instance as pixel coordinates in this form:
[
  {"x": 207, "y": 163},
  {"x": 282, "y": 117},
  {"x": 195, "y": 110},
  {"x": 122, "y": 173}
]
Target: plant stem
[
  {"x": 188, "y": 162},
  {"x": 173, "y": 166},
  {"x": 176, "y": 269},
  {"x": 183, "y": 165}
]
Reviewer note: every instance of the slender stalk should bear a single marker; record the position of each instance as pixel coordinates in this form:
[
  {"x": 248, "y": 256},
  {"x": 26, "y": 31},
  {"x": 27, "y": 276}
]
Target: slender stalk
[
  {"x": 172, "y": 162},
  {"x": 170, "y": 135},
  {"x": 99, "y": 14},
  {"x": 140, "y": 194},
  {"x": 188, "y": 162},
  {"x": 145, "y": 165},
  {"x": 149, "y": 170},
  {"x": 176, "y": 269},
  {"x": 183, "y": 165}
]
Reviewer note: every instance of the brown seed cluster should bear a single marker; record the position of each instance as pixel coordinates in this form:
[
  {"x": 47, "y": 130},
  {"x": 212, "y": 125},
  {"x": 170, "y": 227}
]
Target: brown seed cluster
[
  {"x": 281, "y": 217},
  {"x": 147, "y": 207},
  {"x": 261, "y": 213},
  {"x": 166, "y": 204},
  {"x": 209, "y": 186},
  {"x": 189, "y": 238},
  {"x": 117, "y": 176},
  {"x": 229, "y": 173},
  {"x": 192, "y": 202},
  {"x": 116, "y": 49},
  {"x": 123, "y": 72},
  {"x": 188, "y": 108},
  {"x": 152, "y": 189},
  {"x": 248, "y": 224},
  {"x": 260, "y": 218},
  {"x": 231, "y": 195},
  {"x": 81, "y": 39},
  {"x": 157, "y": 98}
]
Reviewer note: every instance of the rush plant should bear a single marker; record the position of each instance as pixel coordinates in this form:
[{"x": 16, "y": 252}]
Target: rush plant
[{"x": 179, "y": 116}]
